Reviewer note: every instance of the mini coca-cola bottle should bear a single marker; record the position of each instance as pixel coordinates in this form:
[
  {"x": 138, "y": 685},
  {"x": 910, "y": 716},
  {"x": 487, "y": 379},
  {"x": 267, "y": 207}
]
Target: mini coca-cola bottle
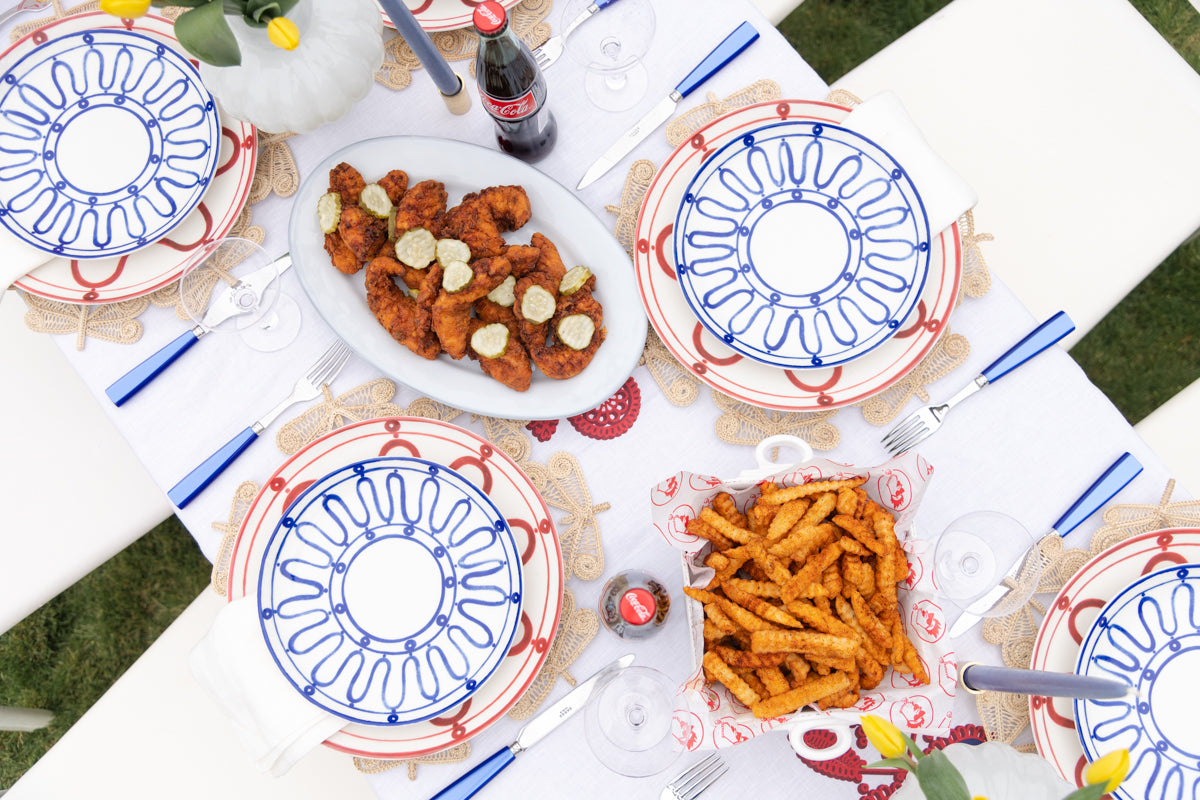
[
  {"x": 634, "y": 604},
  {"x": 511, "y": 86}
]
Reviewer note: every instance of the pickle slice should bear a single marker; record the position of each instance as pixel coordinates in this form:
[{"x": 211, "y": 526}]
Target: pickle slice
[
  {"x": 503, "y": 295},
  {"x": 537, "y": 305},
  {"x": 576, "y": 331},
  {"x": 575, "y": 278},
  {"x": 374, "y": 199},
  {"x": 416, "y": 248},
  {"x": 329, "y": 211},
  {"x": 449, "y": 250},
  {"x": 490, "y": 341},
  {"x": 456, "y": 275}
]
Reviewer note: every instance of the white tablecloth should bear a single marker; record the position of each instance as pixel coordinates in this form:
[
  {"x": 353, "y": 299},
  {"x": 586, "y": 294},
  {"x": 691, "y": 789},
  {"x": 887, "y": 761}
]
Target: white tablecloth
[{"x": 1027, "y": 446}]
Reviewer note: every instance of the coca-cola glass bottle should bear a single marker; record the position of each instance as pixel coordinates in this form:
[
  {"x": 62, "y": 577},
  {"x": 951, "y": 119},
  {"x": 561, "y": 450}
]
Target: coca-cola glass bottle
[{"x": 511, "y": 87}]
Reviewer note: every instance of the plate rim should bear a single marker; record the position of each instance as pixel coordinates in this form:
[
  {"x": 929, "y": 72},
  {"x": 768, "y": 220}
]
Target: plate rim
[
  {"x": 547, "y": 399},
  {"x": 923, "y": 258},
  {"x": 949, "y": 242},
  {"x": 213, "y": 125},
  {"x": 510, "y": 546},
  {"x": 1043, "y": 714},
  {"x": 447, "y": 23},
  {"x": 244, "y": 138},
  {"x": 240, "y": 550}
]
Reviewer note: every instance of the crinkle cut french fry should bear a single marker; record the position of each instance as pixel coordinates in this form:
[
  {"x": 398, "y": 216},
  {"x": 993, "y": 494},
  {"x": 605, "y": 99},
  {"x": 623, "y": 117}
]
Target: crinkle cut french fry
[
  {"x": 797, "y": 667},
  {"x": 723, "y": 503},
  {"x": 804, "y": 642},
  {"x": 700, "y": 595},
  {"x": 810, "y": 573},
  {"x": 847, "y": 501},
  {"x": 752, "y": 680},
  {"x": 760, "y": 516},
  {"x": 698, "y": 527},
  {"x": 860, "y": 530},
  {"x": 822, "y": 620},
  {"x": 717, "y": 670},
  {"x": 809, "y": 692},
  {"x": 823, "y": 505},
  {"x": 756, "y": 588},
  {"x": 725, "y": 527},
  {"x": 773, "y": 679},
  {"x": 785, "y": 518},
  {"x": 748, "y": 660},
  {"x": 761, "y": 608},
  {"x": 719, "y": 618},
  {"x": 869, "y": 622},
  {"x": 744, "y": 618},
  {"x": 781, "y": 496}
]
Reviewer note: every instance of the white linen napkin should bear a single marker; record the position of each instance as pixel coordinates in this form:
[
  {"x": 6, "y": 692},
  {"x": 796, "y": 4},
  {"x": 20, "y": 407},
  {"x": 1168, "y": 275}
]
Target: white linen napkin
[
  {"x": 273, "y": 721},
  {"x": 884, "y": 120},
  {"x": 18, "y": 259}
]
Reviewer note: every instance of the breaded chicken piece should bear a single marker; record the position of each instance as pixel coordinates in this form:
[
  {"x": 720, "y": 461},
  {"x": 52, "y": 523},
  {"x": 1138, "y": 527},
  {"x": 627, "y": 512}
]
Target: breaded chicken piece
[
  {"x": 347, "y": 182},
  {"x": 420, "y": 207},
  {"x": 406, "y": 318},
  {"x": 523, "y": 257},
  {"x": 395, "y": 183},
  {"x": 559, "y": 361},
  {"x": 481, "y": 218},
  {"x": 549, "y": 262},
  {"x": 512, "y": 368},
  {"x": 342, "y": 256},
  {"x": 452, "y": 310},
  {"x": 363, "y": 233}
]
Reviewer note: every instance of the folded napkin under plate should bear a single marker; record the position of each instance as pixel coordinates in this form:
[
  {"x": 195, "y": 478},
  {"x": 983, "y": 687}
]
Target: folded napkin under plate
[
  {"x": 18, "y": 259},
  {"x": 275, "y": 724},
  {"x": 884, "y": 120}
]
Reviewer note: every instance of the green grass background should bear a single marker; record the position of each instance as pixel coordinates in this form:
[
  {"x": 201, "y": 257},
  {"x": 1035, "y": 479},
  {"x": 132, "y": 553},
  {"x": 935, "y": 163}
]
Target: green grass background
[{"x": 65, "y": 655}]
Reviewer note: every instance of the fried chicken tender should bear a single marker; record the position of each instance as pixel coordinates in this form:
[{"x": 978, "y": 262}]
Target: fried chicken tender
[
  {"x": 451, "y": 314},
  {"x": 481, "y": 218},
  {"x": 347, "y": 182},
  {"x": 512, "y": 368},
  {"x": 395, "y": 183},
  {"x": 342, "y": 256},
  {"x": 523, "y": 257},
  {"x": 555, "y": 359},
  {"x": 421, "y": 206},
  {"x": 549, "y": 262},
  {"x": 362, "y": 233},
  {"x": 406, "y": 318}
]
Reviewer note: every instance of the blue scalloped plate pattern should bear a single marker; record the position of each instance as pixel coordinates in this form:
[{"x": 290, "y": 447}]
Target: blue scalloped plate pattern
[
  {"x": 390, "y": 590},
  {"x": 802, "y": 244},
  {"x": 1149, "y": 637},
  {"x": 108, "y": 139}
]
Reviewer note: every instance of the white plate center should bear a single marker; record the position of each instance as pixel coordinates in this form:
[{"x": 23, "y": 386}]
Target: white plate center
[
  {"x": 89, "y": 165},
  {"x": 1175, "y": 680},
  {"x": 799, "y": 248},
  {"x": 393, "y": 588}
]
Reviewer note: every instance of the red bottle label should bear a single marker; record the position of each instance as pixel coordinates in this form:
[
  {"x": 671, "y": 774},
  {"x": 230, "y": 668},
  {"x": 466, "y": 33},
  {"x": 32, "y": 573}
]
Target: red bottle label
[
  {"x": 637, "y": 606},
  {"x": 510, "y": 110}
]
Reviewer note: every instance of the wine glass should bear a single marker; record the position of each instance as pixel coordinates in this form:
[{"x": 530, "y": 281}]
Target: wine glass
[
  {"x": 239, "y": 276},
  {"x": 630, "y": 722},
  {"x": 611, "y": 46},
  {"x": 987, "y": 563}
]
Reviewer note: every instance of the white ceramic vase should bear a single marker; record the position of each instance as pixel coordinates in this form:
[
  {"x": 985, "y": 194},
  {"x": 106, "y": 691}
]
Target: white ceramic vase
[
  {"x": 998, "y": 772},
  {"x": 278, "y": 91}
]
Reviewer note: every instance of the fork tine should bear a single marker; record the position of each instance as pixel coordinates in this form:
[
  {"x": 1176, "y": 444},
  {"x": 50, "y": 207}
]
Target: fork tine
[
  {"x": 330, "y": 364},
  {"x": 698, "y": 777},
  {"x": 909, "y": 442},
  {"x": 906, "y": 427}
]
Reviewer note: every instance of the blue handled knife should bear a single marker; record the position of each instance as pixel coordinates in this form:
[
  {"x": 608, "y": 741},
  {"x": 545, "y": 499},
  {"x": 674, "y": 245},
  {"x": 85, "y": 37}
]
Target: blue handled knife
[
  {"x": 222, "y": 308},
  {"x": 1114, "y": 479},
  {"x": 733, "y": 44},
  {"x": 533, "y": 732}
]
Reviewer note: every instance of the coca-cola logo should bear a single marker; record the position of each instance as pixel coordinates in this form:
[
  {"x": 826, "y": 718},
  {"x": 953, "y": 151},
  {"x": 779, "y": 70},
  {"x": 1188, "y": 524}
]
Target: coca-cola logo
[
  {"x": 488, "y": 14},
  {"x": 637, "y": 606},
  {"x": 517, "y": 108}
]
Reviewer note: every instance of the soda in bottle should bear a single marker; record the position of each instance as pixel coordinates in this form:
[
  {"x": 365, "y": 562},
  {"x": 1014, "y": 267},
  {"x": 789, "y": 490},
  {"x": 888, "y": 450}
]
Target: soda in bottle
[
  {"x": 634, "y": 604},
  {"x": 511, "y": 86}
]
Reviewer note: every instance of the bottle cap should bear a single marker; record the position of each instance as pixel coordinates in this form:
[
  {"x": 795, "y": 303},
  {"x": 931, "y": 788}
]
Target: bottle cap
[
  {"x": 637, "y": 606},
  {"x": 489, "y": 17}
]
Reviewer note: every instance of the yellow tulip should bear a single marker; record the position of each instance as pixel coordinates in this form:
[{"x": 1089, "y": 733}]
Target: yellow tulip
[
  {"x": 125, "y": 9},
  {"x": 1109, "y": 769},
  {"x": 283, "y": 33},
  {"x": 884, "y": 735}
]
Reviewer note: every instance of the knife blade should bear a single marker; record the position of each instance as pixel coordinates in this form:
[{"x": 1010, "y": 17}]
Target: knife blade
[
  {"x": 975, "y": 678},
  {"x": 729, "y": 48},
  {"x": 1114, "y": 479},
  {"x": 533, "y": 732},
  {"x": 222, "y": 308}
]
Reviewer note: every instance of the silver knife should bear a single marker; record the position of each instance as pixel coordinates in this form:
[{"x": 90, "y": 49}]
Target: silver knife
[
  {"x": 533, "y": 732},
  {"x": 1114, "y": 479},
  {"x": 222, "y": 308},
  {"x": 975, "y": 678},
  {"x": 733, "y": 44}
]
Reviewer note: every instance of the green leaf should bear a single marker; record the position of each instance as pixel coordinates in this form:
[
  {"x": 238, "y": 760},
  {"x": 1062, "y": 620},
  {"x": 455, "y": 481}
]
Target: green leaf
[
  {"x": 892, "y": 763},
  {"x": 912, "y": 746},
  {"x": 1092, "y": 791},
  {"x": 204, "y": 33},
  {"x": 940, "y": 780}
]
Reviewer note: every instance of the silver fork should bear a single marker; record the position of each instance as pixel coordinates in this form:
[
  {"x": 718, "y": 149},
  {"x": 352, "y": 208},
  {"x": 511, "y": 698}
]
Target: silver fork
[
  {"x": 552, "y": 48},
  {"x": 695, "y": 779},
  {"x": 308, "y": 387},
  {"x": 921, "y": 424},
  {"x": 22, "y": 7}
]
